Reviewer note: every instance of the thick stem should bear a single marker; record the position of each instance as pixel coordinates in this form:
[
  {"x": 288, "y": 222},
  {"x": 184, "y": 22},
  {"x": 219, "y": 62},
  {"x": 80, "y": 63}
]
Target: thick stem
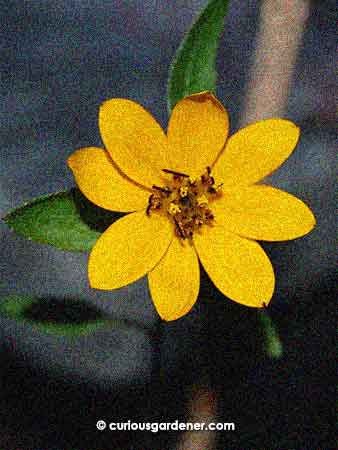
[
  {"x": 279, "y": 37},
  {"x": 202, "y": 409}
]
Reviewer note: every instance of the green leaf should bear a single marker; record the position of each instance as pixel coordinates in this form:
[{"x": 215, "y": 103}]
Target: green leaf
[
  {"x": 66, "y": 220},
  {"x": 193, "y": 69},
  {"x": 273, "y": 344},
  {"x": 66, "y": 317}
]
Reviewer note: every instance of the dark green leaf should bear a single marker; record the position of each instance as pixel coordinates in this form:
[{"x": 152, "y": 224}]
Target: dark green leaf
[
  {"x": 193, "y": 69},
  {"x": 273, "y": 344},
  {"x": 66, "y": 220},
  {"x": 66, "y": 317}
]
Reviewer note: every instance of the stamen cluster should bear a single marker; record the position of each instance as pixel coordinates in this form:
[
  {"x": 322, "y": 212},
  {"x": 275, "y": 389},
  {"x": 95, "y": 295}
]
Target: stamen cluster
[{"x": 185, "y": 201}]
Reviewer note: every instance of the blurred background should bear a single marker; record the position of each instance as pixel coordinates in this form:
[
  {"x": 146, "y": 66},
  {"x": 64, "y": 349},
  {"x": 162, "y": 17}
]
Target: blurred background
[{"x": 59, "y": 61}]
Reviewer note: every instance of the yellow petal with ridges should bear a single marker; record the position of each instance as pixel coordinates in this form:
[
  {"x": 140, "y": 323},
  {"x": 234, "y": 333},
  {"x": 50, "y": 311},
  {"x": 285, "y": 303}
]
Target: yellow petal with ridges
[
  {"x": 238, "y": 267},
  {"x": 255, "y": 151},
  {"x": 128, "y": 250},
  {"x": 134, "y": 140},
  {"x": 197, "y": 131},
  {"x": 264, "y": 213},
  {"x": 174, "y": 282},
  {"x": 102, "y": 183}
]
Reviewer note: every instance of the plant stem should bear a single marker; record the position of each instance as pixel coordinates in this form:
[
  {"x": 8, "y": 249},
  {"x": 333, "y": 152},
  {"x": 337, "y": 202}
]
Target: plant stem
[{"x": 281, "y": 26}]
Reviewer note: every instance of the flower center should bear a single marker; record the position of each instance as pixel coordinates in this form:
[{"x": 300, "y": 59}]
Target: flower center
[{"x": 185, "y": 201}]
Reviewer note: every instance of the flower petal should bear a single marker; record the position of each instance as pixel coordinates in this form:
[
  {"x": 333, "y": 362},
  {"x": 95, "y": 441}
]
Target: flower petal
[
  {"x": 128, "y": 250},
  {"x": 255, "y": 151},
  {"x": 238, "y": 267},
  {"x": 135, "y": 141},
  {"x": 174, "y": 282},
  {"x": 102, "y": 183},
  {"x": 197, "y": 131},
  {"x": 264, "y": 213}
]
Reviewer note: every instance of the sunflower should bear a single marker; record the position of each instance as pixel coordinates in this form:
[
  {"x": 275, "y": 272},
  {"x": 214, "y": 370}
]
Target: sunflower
[{"x": 192, "y": 196}]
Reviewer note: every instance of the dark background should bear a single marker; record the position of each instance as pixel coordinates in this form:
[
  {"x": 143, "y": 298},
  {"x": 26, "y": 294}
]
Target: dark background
[{"x": 59, "y": 61}]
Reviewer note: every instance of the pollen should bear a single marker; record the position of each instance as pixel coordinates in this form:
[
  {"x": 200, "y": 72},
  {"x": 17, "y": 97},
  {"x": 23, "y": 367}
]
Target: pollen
[
  {"x": 184, "y": 191},
  {"x": 185, "y": 201},
  {"x": 174, "y": 209},
  {"x": 202, "y": 200}
]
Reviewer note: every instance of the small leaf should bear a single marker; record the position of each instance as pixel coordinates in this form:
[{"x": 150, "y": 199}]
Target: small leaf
[
  {"x": 193, "y": 69},
  {"x": 66, "y": 317},
  {"x": 66, "y": 220},
  {"x": 273, "y": 344}
]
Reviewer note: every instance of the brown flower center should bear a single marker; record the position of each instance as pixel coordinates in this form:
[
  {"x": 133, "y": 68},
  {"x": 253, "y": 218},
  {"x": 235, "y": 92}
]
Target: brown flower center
[{"x": 185, "y": 201}]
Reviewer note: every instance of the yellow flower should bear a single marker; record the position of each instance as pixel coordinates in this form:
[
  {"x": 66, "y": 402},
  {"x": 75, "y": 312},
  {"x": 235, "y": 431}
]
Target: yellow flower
[{"x": 192, "y": 196}]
